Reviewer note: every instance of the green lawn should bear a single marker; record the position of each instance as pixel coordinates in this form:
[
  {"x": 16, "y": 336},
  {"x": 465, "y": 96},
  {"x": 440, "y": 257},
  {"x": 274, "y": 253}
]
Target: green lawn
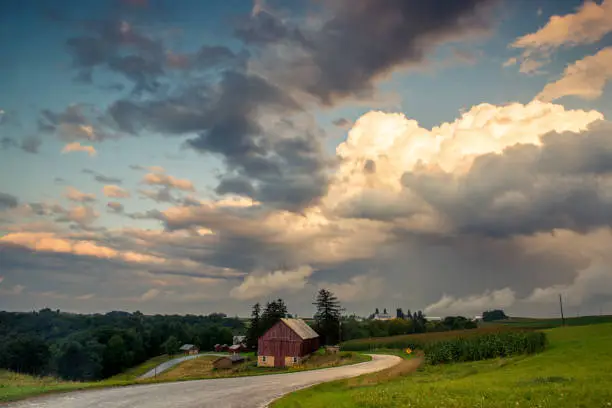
[{"x": 574, "y": 372}]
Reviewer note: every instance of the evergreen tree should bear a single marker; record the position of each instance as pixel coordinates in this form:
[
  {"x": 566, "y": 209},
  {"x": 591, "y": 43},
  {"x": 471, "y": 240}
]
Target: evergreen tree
[
  {"x": 273, "y": 312},
  {"x": 327, "y": 318},
  {"x": 399, "y": 313},
  {"x": 254, "y": 330}
]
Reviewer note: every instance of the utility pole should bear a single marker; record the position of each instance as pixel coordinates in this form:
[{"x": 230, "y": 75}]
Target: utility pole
[{"x": 561, "y": 306}]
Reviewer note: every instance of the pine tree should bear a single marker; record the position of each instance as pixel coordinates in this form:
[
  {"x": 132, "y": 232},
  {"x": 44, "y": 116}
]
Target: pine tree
[
  {"x": 273, "y": 312},
  {"x": 327, "y": 318},
  {"x": 254, "y": 330}
]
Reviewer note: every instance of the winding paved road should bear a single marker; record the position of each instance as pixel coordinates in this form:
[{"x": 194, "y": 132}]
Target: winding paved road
[
  {"x": 240, "y": 392},
  {"x": 171, "y": 363}
]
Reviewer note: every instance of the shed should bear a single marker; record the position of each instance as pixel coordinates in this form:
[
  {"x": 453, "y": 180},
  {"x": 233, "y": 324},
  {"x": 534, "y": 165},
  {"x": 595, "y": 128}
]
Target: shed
[
  {"x": 228, "y": 361},
  {"x": 189, "y": 349},
  {"x": 286, "y": 343},
  {"x": 238, "y": 340},
  {"x": 236, "y": 348}
]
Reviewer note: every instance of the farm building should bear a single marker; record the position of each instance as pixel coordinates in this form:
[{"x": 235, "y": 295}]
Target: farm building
[
  {"x": 228, "y": 361},
  {"x": 238, "y": 340},
  {"x": 189, "y": 349},
  {"x": 237, "y": 348},
  {"x": 286, "y": 343}
]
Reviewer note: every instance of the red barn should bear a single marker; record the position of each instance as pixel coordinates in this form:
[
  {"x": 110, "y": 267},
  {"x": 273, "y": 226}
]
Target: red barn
[{"x": 287, "y": 343}]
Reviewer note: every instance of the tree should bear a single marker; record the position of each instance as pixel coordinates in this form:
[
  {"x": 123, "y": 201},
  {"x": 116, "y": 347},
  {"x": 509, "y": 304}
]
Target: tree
[
  {"x": 254, "y": 330},
  {"x": 327, "y": 317},
  {"x": 492, "y": 315},
  {"x": 273, "y": 312},
  {"x": 399, "y": 314},
  {"x": 171, "y": 345},
  {"x": 25, "y": 354}
]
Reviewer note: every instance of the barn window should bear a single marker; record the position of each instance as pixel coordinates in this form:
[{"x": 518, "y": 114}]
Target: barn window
[
  {"x": 263, "y": 359},
  {"x": 295, "y": 359}
]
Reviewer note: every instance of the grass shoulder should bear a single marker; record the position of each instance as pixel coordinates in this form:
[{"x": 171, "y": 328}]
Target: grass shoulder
[
  {"x": 15, "y": 386},
  {"x": 572, "y": 372}
]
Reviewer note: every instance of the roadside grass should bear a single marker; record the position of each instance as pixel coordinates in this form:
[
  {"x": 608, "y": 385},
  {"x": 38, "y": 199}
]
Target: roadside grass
[
  {"x": 15, "y": 386},
  {"x": 573, "y": 372},
  {"x": 135, "y": 372},
  {"x": 202, "y": 368}
]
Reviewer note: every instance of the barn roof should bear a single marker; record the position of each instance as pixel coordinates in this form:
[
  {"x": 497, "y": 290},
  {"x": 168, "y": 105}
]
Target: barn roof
[
  {"x": 300, "y": 328},
  {"x": 186, "y": 347}
]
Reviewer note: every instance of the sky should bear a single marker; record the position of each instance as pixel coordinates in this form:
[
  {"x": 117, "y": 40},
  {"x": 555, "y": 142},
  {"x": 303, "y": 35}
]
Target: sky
[{"x": 450, "y": 156}]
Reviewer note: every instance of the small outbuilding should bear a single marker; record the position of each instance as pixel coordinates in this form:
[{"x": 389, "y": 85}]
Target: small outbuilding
[
  {"x": 238, "y": 340},
  {"x": 286, "y": 343},
  {"x": 236, "y": 348},
  {"x": 228, "y": 361},
  {"x": 189, "y": 349}
]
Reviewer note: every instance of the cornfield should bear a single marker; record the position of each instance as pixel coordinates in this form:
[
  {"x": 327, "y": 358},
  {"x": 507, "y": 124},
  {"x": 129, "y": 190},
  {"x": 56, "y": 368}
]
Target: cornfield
[
  {"x": 416, "y": 341},
  {"x": 503, "y": 344},
  {"x": 462, "y": 345}
]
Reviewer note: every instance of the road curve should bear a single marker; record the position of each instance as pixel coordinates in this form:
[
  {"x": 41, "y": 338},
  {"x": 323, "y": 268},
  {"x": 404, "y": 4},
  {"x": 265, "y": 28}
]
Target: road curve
[
  {"x": 171, "y": 363},
  {"x": 237, "y": 392}
]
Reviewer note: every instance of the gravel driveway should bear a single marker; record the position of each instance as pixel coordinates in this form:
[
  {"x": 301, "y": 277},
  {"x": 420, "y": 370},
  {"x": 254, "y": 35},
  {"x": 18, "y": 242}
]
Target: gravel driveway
[{"x": 241, "y": 392}]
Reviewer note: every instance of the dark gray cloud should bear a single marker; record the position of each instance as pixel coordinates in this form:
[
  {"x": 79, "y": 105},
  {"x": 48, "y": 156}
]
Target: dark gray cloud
[
  {"x": 362, "y": 40},
  {"x": 115, "y": 207},
  {"x": 285, "y": 166},
  {"x": 528, "y": 189},
  {"x": 99, "y": 177},
  {"x": 163, "y": 195},
  {"x": 29, "y": 144},
  {"x": 8, "y": 201},
  {"x": 76, "y": 122},
  {"x": 342, "y": 123},
  {"x": 105, "y": 44}
]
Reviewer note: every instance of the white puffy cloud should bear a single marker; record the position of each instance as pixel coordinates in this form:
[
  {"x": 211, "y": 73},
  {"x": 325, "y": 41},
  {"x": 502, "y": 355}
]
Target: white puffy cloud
[
  {"x": 585, "y": 78},
  {"x": 451, "y": 305},
  {"x": 259, "y": 285},
  {"x": 167, "y": 180},
  {"x": 588, "y": 25},
  {"x": 78, "y": 147},
  {"x": 150, "y": 294},
  {"x": 75, "y": 195},
  {"x": 114, "y": 191},
  {"x": 357, "y": 289}
]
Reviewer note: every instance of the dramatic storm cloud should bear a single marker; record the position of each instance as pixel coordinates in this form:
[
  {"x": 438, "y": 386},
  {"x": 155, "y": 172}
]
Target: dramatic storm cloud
[{"x": 191, "y": 159}]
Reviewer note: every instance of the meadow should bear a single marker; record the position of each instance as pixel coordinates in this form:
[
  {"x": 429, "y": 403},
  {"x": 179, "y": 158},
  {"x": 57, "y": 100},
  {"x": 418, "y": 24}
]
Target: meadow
[
  {"x": 535, "y": 323},
  {"x": 573, "y": 371}
]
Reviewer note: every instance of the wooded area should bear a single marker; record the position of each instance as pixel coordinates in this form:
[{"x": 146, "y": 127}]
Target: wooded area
[{"x": 92, "y": 347}]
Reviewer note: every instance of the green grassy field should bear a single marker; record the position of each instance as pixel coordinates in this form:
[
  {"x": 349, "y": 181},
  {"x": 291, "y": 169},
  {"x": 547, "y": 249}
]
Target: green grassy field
[
  {"x": 15, "y": 386},
  {"x": 574, "y": 372},
  {"x": 533, "y": 323}
]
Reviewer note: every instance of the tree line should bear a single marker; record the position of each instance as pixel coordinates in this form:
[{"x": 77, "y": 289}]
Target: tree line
[
  {"x": 93, "y": 347},
  {"x": 334, "y": 328}
]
